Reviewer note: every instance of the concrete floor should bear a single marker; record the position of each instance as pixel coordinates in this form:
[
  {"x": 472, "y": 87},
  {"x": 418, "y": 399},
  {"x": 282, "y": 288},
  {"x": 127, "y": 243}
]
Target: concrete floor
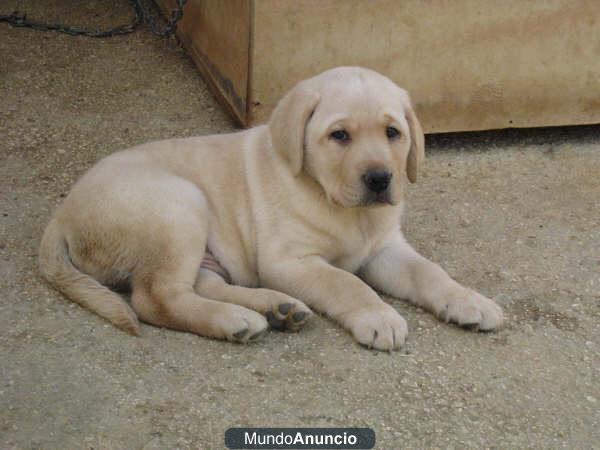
[{"x": 514, "y": 214}]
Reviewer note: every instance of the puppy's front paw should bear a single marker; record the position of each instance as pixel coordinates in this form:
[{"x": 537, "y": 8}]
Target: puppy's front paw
[
  {"x": 379, "y": 327},
  {"x": 286, "y": 313},
  {"x": 470, "y": 309}
]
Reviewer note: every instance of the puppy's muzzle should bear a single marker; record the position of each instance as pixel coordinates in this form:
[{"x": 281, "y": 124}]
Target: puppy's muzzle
[{"x": 377, "y": 180}]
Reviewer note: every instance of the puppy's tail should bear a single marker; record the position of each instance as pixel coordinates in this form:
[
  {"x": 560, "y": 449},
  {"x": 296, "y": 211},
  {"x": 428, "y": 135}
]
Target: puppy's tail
[{"x": 59, "y": 271}]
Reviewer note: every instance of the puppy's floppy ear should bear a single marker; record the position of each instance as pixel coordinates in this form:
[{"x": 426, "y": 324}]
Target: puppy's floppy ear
[
  {"x": 416, "y": 154},
  {"x": 288, "y": 124}
]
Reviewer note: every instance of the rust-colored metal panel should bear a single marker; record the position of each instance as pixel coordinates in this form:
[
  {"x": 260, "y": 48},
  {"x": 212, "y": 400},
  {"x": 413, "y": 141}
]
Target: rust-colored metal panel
[{"x": 217, "y": 35}]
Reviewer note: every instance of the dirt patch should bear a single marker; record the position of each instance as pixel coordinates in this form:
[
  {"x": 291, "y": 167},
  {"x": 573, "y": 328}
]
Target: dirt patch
[{"x": 536, "y": 311}]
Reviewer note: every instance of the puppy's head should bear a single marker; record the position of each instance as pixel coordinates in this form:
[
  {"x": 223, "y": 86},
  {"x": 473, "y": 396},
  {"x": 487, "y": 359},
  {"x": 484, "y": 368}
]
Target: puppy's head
[{"x": 354, "y": 132}]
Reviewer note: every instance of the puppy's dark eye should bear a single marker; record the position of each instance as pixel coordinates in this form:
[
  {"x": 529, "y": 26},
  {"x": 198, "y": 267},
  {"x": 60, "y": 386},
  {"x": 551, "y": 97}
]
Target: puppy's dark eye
[
  {"x": 340, "y": 135},
  {"x": 392, "y": 132}
]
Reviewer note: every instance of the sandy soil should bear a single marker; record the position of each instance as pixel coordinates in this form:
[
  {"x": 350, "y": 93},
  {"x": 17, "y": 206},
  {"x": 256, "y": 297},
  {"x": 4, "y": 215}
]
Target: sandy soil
[{"x": 514, "y": 214}]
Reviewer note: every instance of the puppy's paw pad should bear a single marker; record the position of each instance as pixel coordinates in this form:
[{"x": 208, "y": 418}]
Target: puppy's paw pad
[
  {"x": 288, "y": 315},
  {"x": 285, "y": 308},
  {"x": 300, "y": 317},
  {"x": 274, "y": 321}
]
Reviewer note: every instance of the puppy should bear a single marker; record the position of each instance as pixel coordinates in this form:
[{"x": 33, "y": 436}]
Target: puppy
[{"x": 224, "y": 235}]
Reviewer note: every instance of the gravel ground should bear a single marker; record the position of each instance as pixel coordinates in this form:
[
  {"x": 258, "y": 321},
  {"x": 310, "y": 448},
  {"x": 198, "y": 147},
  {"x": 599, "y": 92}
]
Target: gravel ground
[{"x": 514, "y": 214}]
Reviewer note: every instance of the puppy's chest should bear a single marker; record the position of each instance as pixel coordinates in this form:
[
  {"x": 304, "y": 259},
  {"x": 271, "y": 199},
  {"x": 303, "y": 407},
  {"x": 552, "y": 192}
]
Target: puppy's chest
[
  {"x": 351, "y": 263},
  {"x": 354, "y": 245}
]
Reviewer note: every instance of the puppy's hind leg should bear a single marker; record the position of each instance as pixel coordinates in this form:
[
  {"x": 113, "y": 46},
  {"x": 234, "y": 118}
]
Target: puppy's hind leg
[
  {"x": 282, "y": 311},
  {"x": 182, "y": 309},
  {"x": 163, "y": 290}
]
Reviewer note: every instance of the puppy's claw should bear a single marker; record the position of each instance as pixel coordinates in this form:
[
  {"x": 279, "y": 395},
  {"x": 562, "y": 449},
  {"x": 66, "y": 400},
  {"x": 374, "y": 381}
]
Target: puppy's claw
[
  {"x": 240, "y": 334},
  {"x": 257, "y": 336},
  {"x": 471, "y": 310}
]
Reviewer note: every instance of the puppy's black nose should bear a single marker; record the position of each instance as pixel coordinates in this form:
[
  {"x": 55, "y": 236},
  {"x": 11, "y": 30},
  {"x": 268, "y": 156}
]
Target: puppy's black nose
[{"x": 377, "y": 180}]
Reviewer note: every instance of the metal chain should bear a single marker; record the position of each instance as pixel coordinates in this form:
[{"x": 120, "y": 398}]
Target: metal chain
[{"x": 142, "y": 15}]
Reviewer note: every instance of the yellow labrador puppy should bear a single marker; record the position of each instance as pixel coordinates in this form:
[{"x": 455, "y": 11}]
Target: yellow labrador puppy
[{"x": 222, "y": 235}]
